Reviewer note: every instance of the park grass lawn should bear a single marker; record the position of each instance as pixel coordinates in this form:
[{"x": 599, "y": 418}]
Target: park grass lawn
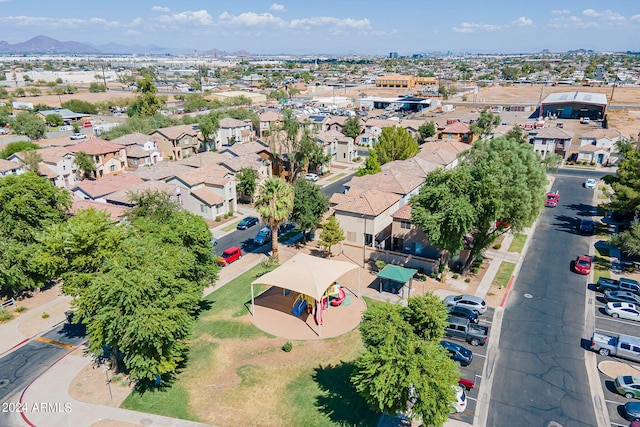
[
  {"x": 517, "y": 244},
  {"x": 236, "y": 374},
  {"x": 504, "y": 274},
  {"x": 231, "y": 226},
  {"x": 336, "y": 177}
]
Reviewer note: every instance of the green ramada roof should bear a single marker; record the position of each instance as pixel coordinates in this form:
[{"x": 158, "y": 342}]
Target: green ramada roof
[{"x": 396, "y": 273}]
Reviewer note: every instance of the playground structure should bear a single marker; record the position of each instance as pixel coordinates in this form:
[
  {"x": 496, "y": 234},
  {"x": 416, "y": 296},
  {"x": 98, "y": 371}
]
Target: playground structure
[{"x": 312, "y": 293}]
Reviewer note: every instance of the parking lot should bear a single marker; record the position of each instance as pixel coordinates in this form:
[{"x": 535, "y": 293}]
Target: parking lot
[
  {"x": 477, "y": 366},
  {"x": 608, "y": 325}
]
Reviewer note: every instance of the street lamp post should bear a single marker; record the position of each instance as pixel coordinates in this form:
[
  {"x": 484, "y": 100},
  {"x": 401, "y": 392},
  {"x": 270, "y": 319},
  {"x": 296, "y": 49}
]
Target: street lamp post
[
  {"x": 105, "y": 368},
  {"x": 364, "y": 241}
]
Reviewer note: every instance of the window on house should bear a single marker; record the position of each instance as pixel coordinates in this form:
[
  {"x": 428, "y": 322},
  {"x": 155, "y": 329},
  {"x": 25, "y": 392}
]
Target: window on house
[
  {"x": 405, "y": 224},
  {"x": 204, "y": 208},
  {"x": 134, "y": 161},
  {"x": 112, "y": 168}
]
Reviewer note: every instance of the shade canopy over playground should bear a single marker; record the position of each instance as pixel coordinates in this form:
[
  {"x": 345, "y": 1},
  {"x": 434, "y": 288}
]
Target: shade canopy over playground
[
  {"x": 306, "y": 274},
  {"x": 395, "y": 273}
]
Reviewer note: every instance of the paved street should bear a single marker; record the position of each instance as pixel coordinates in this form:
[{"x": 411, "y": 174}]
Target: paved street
[{"x": 540, "y": 373}]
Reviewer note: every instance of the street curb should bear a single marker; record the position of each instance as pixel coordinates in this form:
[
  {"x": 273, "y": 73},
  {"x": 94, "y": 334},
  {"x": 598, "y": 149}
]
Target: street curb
[
  {"x": 15, "y": 346},
  {"x": 506, "y": 294}
]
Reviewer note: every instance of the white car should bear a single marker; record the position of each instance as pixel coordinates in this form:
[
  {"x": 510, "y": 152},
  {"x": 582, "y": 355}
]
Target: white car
[
  {"x": 311, "y": 177},
  {"x": 461, "y": 399},
  {"x": 590, "y": 183},
  {"x": 4, "y": 131},
  {"x": 623, "y": 310},
  {"x": 77, "y": 136},
  {"x": 471, "y": 302}
]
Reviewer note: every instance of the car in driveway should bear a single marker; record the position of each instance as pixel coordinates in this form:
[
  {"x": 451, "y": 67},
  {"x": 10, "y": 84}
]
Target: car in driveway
[
  {"x": 311, "y": 177},
  {"x": 229, "y": 255},
  {"x": 467, "y": 313},
  {"x": 590, "y": 183},
  {"x": 458, "y": 353},
  {"x": 263, "y": 236},
  {"x": 582, "y": 264},
  {"x": 587, "y": 226},
  {"x": 631, "y": 411},
  {"x": 621, "y": 296},
  {"x": 76, "y": 136},
  {"x": 623, "y": 310},
  {"x": 628, "y": 386},
  {"x": 247, "y": 222},
  {"x": 471, "y": 302}
]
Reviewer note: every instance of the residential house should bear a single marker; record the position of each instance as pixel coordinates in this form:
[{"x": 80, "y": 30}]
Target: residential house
[
  {"x": 177, "y": 142},
  {"x": 341, "y": 148},
  {"x": 123, "y": 197},
  {"x": 442, "y": 157},
  {"x": 98, "y": 189},
  {"x": 335, "y": 123},
  {"x": 415, "y": 166},
  {"x": 116, "y": 213},
  {"x": 62, "y": 162},
  {"x": 551, "y": 140},
  {"x": 600, "y": 146},
  {"x": 141, "y": 149},
  {"x": 161, "y": 171},
  {"x": 212, "y": 191},
  {"x": 67, "y": 115},
  {"x": 408, "y": 237},
  {"x": 8, "y": 167},
  {"x": 366, "y": 217},
  {"x": 109, "y": 158},
  {"x": 394, "y": 179},
  {"x": 254, "y": 155},
  {"x": 456, "y": 131},
  {"x": 375, "y": 126},
  {"x": 269, "y": 121},
  {"x": 412, "y": 127},
  {"x": 311, "y": 123},
  {"x": 234, "y": 131},
  {"x": 366, "y": 139}
]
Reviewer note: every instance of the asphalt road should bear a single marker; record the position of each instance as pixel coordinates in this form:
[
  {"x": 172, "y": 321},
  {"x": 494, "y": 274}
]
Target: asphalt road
[
  {"x": 23, "y": 365},
  {"x": 540, "y": 373}
]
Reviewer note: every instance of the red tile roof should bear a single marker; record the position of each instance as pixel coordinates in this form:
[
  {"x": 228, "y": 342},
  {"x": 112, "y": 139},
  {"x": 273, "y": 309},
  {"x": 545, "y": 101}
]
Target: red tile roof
[
  {"x": 372, "y": 203},
  {"x": 95, "y": 147},
  {"x": 108, "y": 184}
]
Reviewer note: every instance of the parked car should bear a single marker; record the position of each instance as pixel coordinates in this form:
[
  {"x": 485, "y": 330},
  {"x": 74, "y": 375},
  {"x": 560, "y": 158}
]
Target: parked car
[
  {"x": 214, "y": 241},
  {"x": 229, "y": 255},
  {"x": 582, "y": 264},
  {"x": 467, "y": 378},
  {"x": 247, "y": 222},
  {"x": 458, "y": 353},
  {"x": 461, "y": 399},
  {"x": 621, "y": 296},
  {"x": 552, "y": 199},
  {"x": 471, "y": 302},
  {"x": 623, "y": 284},
  {"x": 628, "y": 386},
  {"x": 623, "y": 346},
  {"x": 585, "y": 120},
  {"x": 464, "y": 312},
  {"x": 623, "y": 310},
  {"x": 464, "y": 330},
  {"x": 590, "y": 183},
  {"x": 587, "y": 226},
  {"x": 632, "y": 411},
  {"x": 311, "y": 177},
  {"x": 263, "y": 236},
  {"x": 4, "y": 131},
  {"x": 77, "y": 136}
]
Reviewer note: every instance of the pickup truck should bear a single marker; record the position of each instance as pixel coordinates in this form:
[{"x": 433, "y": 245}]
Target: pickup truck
[
  {"x": 462, "y": 329},
  {"x": 624, "y": 284},
  {"x": 623, "y": 346}
]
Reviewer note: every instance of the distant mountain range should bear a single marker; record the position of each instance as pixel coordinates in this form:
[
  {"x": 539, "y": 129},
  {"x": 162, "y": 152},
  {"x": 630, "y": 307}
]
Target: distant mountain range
[{"x": 44, "y": 44}]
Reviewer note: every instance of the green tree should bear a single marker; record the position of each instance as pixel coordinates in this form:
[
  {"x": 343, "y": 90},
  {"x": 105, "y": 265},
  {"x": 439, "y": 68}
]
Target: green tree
[
  {"x": 194, "y": 102},
  {"x": 552, "y": 161},
  {"x": 309, "y": 204},
  {"x": 278, "y": 94},
  {"x": 352, "y": 127},
  {"x": 79, "y": 106},
  {"x": 625, "y": 184},
  {"x": 97, "y": 87},
  {"x": 147, "y": 103},
  {"x": 32, "y": 159},
  {"x": 3, "y": 93},
  {"x": 274, "y": 204},
  {"x": 517, "y": 134},
  {"x": 247, "y": 181},
  {"x": 485, "y": 123},
  {"x": 331, "y": 234},
  {"x": 85, "y": 164},
  {"x": 16, "y": 147},
  {"x": 28, "y": 124},
  {"x": 629, "y": 240},
  {"x": 208, "y": 126},
  {"x": 20, "y": 92},
  {"x": 395, "y": 143},
  {"x": 427, "y": 130},
  {"x": 428, "y": 316},
  {"x": 371, "y": 165},
  {"x": 54, "y": 120}
]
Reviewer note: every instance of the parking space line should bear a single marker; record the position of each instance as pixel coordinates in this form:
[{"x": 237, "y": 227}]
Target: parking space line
[
  {"x": 478, "y": 354},
  {"x": 614, "y": 402},
  {"x": 471, "y": 398},
  {"x": 623, "y": 321},
  {"x": 608, "y": 332}
]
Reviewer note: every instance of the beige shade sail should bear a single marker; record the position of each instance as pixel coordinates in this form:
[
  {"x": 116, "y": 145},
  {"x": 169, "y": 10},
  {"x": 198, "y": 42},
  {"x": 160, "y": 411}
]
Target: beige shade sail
[{"x": 306, "y": 274}]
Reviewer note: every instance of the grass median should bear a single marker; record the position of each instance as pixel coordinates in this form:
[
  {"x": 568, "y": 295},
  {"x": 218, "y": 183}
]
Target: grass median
[
  {"x": 504, "y": 274},
  {"x": 518, "y": 242}
]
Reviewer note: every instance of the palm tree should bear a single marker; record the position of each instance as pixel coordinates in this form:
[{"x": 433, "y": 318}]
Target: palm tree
[{"x": 274, "y": 204}]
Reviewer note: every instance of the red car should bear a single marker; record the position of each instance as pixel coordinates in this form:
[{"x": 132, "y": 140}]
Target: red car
[
  {"x": 467, "y": 378},
  {"x": 229, "y": 255},
  {"x": 582, "y": 264},
  {"x": 552, "y": 199}
]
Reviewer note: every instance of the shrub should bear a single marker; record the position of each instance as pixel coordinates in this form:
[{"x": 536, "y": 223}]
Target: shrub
[
  {"x": 455, "y": 275},
  {"x": 467, "y": 280},
  {"x": 45, "y": 315},
  {"x": 497, "y": 246},
  {"x": 475, "y": 270},
  {"x": 423, "y": 277},
  {"x": 20, "y": 309},
  {"x": 287, "y": 347},
  {"x": 380, "y": 264},
  {"x": 4, "y": 315},
  {"x": 593, "y": 163},
  {"x": 434, "y": 275},
  {"x": 218, "y": 218}
]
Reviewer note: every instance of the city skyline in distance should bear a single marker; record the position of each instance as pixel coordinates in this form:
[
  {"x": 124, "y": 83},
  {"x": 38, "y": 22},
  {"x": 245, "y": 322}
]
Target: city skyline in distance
[{"x": 330, "y": 27}]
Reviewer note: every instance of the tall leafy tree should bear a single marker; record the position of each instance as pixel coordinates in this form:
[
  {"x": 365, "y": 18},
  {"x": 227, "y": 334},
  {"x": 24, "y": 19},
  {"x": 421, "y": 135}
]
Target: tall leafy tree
[
  {"x": 209, "y": 126},
  {"x": 331, "y": 234},
  {"x": 274, "y": 204},
  {"x": 427, "y": 130},
  {"x": 28, "y": 124},
  {"x": 16, "y": 147},
  {"x": 395, "y": 143},
  {"x": 247, "y": 181},
  {"x": 309, "y": 204},
  {"x": 626, "y": 182},
  {"x": 32, "y": 159},
  {"x": 86, "y": 164},
  {"x": 629, "y": 240},
  {"x": 352, "y": 127},
  {"x": 485, "y": 123},
  {"x": 371, "y": 165},
  {"x": 54, "y": 120},
  {"x": 147, "y": 102},
  {"x": 516, "y": 133}
]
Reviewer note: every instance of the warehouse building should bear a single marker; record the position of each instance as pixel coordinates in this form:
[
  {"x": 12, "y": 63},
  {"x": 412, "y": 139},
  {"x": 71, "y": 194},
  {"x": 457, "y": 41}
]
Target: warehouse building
[{"x": 574, "y": 105}]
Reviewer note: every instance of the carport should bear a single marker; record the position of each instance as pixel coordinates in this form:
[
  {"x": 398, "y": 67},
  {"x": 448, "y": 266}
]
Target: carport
[{"x": 398, "y": 275}]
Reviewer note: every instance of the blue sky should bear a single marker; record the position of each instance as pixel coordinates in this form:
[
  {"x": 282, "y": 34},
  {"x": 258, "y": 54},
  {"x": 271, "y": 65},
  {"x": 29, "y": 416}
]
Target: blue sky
[{"x": 332, "y": 26}]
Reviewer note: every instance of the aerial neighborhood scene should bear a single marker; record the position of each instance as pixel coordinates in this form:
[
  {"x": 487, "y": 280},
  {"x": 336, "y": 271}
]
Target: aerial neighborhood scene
[{"x": 325, "y": 214}]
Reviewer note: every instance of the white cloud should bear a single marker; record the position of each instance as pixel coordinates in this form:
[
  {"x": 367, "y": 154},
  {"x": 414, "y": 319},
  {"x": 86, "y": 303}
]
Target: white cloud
[
  {"x": 318, "y": 21},
  {"x": 250, "y": 19},
  {"x": 56, "y": 23},
  {"x": 523, "y": 22},
  {"x": 200, "y": 17},
  {"x": 590, "y": 19},
  {"x": 635, "y": 18},
  {"x": 160, "y": 9},
  {"x": 277, "y": 7},
  {"x": 590, "y": 12},
  {"x": 560, "y": 12}
]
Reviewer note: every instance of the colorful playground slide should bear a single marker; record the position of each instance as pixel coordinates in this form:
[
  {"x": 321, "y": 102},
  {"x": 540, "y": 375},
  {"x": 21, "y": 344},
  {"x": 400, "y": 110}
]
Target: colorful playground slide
[{"x": 341, "y": 296}]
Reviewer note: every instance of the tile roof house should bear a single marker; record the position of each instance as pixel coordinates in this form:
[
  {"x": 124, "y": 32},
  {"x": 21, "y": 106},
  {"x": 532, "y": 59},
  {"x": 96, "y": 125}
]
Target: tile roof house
[
  {"x": 62, "y": 162},
  {"x": 341, "y": 148},
  {"x": 412, "y": 126},
  {"x": 413, "y": 166},
  {"x": 109, "y": 158},
  {"x": 123, "y": 197},
  {"x": 335, "y": 123},
  {"x": 269, "y": 120},
  {"x": 212, "y": 190},
  {"x": 161, "y": 171},
  {"x": 115, "y": 212},
  {"x": 394, "y": 179},
  {"x": 456, "y": 131},
  {"x": 141, "y": 149},
  {"x": 442, "y": 157},
  {"x": 551, "y": 140},
  {"x": 98, "y": 189},
  {"x": 408, "y": 237},
  {"x": 606, "y": 142},
  {"x": 8, "y": 167},
  {"x": 233, "y": 131},
  {"x": 177, "y": 142}
]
